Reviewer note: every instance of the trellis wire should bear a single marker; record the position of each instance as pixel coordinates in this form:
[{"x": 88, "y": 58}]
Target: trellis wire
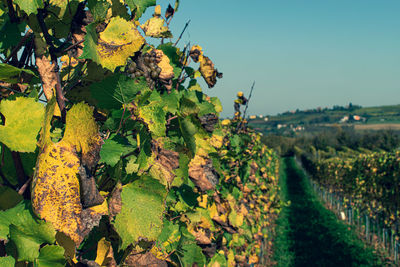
[{"x": 372, "y": 229}]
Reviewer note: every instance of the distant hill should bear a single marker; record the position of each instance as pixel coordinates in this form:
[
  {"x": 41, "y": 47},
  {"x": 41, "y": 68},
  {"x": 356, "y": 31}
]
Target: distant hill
[{"x": 351, "y": 115}]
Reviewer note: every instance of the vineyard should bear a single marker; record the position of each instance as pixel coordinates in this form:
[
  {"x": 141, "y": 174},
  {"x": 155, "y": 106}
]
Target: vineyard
[
  {"x": 111, "y": 152},
  {"x": 365, "y": 185}
]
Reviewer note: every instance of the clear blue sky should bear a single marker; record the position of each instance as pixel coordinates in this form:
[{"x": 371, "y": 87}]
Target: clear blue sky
[{"x": 302, "y": 54}]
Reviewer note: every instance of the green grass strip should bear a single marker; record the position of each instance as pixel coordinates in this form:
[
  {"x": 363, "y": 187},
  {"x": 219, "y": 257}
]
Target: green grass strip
[{"x": 310, "y": 235}]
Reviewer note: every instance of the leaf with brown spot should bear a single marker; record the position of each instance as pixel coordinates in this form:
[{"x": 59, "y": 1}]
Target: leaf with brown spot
[
  {"x": 112, "y": 47},
  {"x": 55, "y": 186},
  {"x": 202, "y": 173}
]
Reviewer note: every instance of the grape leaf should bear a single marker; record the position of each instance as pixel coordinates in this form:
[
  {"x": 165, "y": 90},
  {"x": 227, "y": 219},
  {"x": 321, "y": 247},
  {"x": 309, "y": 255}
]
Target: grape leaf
[
  {"x": 142, "y": 211},
  {"x": 171, "y": 101},
  {"x": 29, "y": 6},
  {"x": 188, "y": 129},
  {"x": 113, "y": 149},
  {"x": 99, "y": 9},
  {"x": 55, "y": 186},
  {"x": 51, "y": 256},
  {"x": 154, "y": 27},
  {"x": 7, "y": 261},
  {"x": 167, "y": 241},
  {"x": 10, "y": 33},
  {"x": 174, "y": 55},
  {"x": 114, "y": 45},
  {"x": 153, "y": 114},
  {"x": 20, "y": 130},
  {"x": 62, "y": 12},
  {"x": 140, "y": 6},
  {"x": 116, "y": 90},
  {"x": 11, "y": 74},
  {"x": 9, "y": 197},
  {"x": 191, "y": 252},
  {"x": 25, "y": 230}
]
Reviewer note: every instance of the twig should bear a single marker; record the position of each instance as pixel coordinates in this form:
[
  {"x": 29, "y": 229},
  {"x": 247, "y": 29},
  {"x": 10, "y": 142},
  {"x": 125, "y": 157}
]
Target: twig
[
  {"x": 180, "y": 36},
  {"x": 25, "y": 54},
  {"x": 12, "y": 90},
  {"x": 170, "y": 119},
  {"x": 59, "y": 92},
  {"x": 240, "y": 124},
  {"x": 23, "y": 188},
  {"x": 73, "y": 46},
  {"x": 19, "y": 45},
  {"x": 120, "y": 122}
]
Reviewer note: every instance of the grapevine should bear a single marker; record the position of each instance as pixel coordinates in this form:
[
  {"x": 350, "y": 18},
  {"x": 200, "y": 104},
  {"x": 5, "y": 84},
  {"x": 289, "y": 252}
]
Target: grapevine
[{"x": 112, "y": 154}]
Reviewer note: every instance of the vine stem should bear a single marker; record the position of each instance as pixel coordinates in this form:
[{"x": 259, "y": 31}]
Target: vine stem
[
  {"x": 19, "y": 45},
  {"x": 11, "y": 12},
  {"x": 59, "y": 92},
  {"x": 180, "y": 36}
]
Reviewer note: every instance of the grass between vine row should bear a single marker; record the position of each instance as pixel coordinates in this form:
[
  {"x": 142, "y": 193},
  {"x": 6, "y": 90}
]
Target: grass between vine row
[{"x": 308, "y": 234}]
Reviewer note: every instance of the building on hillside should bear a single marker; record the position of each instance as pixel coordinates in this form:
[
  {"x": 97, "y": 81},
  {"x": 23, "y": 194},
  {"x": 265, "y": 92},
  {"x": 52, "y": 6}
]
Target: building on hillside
[{"x": 344, "y": 119}]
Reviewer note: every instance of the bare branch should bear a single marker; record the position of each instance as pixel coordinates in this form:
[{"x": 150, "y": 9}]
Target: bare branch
[{"x": 180, "y": 36}]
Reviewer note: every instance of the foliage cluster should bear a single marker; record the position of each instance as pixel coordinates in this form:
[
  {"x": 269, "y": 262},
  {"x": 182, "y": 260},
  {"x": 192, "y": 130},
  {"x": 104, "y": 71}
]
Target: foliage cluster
[
  {"x": 369, "y": 182},
  {"x": 126, "y": 162}
]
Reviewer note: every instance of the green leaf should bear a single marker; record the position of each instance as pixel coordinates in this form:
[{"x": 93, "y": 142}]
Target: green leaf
[
  {"x": 8, "y": 168},
  {"x": 60, "y": 17},
  {"x": 191, "y": 253},
  {"x": 171, "y": 101},
  {"x": 174, "y": 55},
  {"x": 116, "y": 90},
  {"x": 7, "y": 261},
  {"x": 112, "y": 47},
  {"x": 140, "y": 6},
  {"x": 154, "y": 114},
  {"x": 187, "y": 107},
  {"x": 10, "y": 34},
  {"x": 26, "y": 230},
  {"x": 29, "y": 6},
  {"x": 142, "y": 211},
  {"x": 113, "y": 148},
  {"x": 99, "y": 9},
  {"x": 9, "y": 198},
  {"x": 218, "y": 260},
  {"x": 11, "y": 74},
  {"x": 24, "y": 118},
  {"x": 188, "y": 130},
  {"x": 217, "y": 104},
  {"x": 51, "y": 256},
  {"x": 169, "y": 238}
]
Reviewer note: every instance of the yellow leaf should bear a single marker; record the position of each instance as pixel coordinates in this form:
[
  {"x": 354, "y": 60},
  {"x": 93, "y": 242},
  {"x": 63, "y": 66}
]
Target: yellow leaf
[
  {"x": 56, "y": 192},
  {"x": 105, "y": 255},
  {"x": 55, "y": 185},
  {"x": 154, "y": 27},
  {"x": 167, "y": 71},
  {"x": 157, "y": 10},
  {"x": 202, "y": 201},
  {"x": 117, "y": 42}
]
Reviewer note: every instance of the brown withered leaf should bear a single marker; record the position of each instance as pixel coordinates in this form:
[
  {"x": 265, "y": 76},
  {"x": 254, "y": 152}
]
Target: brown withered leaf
[
  {"x": 165, "y": 162},
  {"x": 115, "y": 201},
  {"x": 202, "y": 173},
  {"x": 144, "y": 259},
  {"x": 90, "y": 195},
  {"x": 208, "y": 71}
]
